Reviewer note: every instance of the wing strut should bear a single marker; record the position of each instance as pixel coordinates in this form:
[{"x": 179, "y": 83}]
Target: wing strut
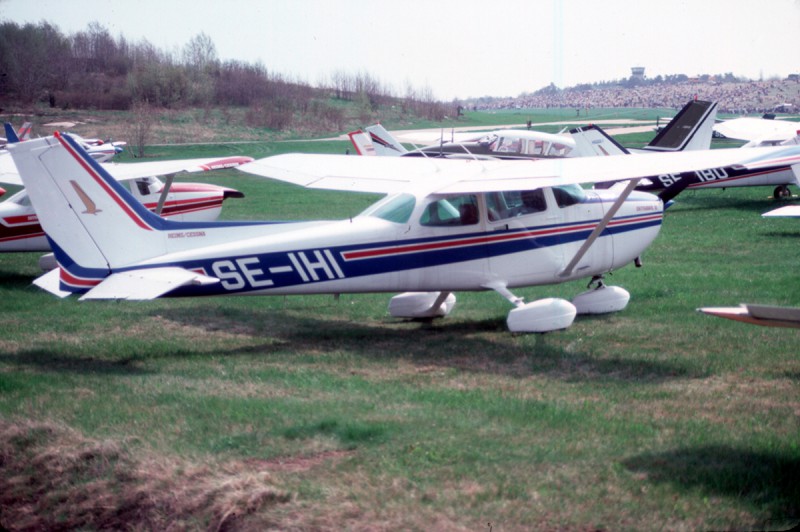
[
  {"x": 567, "y": 271},
  {"x": 164, "y": 193}
]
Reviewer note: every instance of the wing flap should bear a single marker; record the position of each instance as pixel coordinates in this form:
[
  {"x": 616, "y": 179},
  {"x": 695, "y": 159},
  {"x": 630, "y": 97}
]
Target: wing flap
[{"x": 145, "y": 284}]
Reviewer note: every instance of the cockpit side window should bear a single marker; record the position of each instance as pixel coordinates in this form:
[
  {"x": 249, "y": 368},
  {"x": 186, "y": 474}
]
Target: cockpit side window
[
  {"x": 510, "y": 204},
  {"x": 567, "y": 195},
  {"x": 455, "y": 210}
]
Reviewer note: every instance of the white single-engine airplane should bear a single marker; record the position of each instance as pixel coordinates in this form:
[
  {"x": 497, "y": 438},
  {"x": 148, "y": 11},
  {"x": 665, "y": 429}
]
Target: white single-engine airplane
[{"x": 446, "y": 225}]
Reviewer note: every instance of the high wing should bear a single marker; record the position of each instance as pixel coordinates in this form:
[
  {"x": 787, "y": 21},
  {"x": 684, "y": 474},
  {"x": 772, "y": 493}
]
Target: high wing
[
  {"x": 126, "y": 171},
  {"x": 446, "y": 176}
]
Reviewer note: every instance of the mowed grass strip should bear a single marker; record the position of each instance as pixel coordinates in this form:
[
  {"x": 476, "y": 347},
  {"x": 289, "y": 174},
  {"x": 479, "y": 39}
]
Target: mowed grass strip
[{"x": 654, "y": 417}]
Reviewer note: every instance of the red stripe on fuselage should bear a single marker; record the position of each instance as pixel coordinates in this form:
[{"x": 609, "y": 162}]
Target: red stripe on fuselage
[{"x": 489, "y": 239}]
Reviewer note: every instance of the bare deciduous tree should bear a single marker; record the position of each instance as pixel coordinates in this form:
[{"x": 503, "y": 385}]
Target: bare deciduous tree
[{"x": 141, "y": 126}]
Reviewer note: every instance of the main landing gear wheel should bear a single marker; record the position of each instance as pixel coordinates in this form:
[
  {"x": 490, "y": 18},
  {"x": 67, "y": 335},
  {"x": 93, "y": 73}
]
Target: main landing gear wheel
[
  {"x": 601, "y": 299},
  {"x": 422, "y": 305},
  {"x": 782, "y": 192}
]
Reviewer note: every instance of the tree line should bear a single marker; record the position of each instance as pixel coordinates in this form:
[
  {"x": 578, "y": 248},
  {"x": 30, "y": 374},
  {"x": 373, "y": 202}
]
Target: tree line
[{"x": 91, "y": 69}]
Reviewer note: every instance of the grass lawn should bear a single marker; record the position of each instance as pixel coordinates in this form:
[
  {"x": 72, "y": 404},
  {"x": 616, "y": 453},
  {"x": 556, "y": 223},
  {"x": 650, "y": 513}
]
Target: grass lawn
[{"x": 320, "y": 413}]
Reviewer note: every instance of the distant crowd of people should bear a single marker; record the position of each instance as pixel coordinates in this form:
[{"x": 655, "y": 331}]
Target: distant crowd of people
[{"x": 733, "y": 97}]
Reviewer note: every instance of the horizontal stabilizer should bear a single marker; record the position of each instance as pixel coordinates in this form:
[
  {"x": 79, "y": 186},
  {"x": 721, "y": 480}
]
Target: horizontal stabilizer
[
  {"x": 144, "y": 284},
  {"x": 51, "y": 282}
]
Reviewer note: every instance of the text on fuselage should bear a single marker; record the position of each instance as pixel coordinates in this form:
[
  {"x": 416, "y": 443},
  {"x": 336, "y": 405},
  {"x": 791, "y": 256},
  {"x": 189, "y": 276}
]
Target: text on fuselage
[
  {"x": 317, "y": 265},
  {"x": 704, "y": 176}
]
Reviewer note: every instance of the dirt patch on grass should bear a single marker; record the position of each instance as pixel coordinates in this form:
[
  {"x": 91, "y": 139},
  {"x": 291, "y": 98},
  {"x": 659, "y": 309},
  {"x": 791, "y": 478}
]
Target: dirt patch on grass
[{"x": 53, "y": 478}]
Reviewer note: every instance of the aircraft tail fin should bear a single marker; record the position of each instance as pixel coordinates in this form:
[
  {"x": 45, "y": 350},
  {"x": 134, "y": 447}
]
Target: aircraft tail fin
[
  {"x": 24, "y": 132},
  {"x": 86, "y": 212},
  {"x": 690, "y": 129},
  {"x": 11, "y": 135},
  {"x": 591, "y": 141},
  {"x": 362, "y": 143},
  {"x": 383, "y": 142}
]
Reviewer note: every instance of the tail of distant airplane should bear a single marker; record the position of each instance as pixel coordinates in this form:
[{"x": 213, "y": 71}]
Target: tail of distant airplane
[
  {"x": 24, "y": 132},
  {"x": 591, "y": 141},
  {"x": 11, "y": 135},
  {"x": 383, "y": 142},
  {"x": 691, "y": 129},
  {"x": 362, "y": 143}
]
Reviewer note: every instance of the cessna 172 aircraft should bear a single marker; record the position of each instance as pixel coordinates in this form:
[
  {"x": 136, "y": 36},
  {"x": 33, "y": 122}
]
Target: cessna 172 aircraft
[{"x": 446, "y": 225}]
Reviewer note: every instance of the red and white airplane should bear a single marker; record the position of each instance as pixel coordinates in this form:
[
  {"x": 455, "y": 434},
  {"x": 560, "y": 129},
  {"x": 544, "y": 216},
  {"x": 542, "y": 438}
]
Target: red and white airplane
[
  {"x": 19, "y": 224},
  {"x": 445, "y": 226}
]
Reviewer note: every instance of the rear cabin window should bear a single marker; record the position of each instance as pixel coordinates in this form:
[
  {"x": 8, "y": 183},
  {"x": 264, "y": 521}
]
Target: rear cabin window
[
  {"x": 503, "y": 205},
  {"x": 452, "y": 211}
]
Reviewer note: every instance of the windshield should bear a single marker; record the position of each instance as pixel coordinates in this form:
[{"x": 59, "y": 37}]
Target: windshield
[
  {"x": 567, "y": 195},
  {"x": 395, "y": 209}
]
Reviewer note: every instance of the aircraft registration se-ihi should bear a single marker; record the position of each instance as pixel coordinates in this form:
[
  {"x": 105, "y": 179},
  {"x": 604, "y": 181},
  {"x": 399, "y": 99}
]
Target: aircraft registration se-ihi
[{"x": 444, "y": 226}]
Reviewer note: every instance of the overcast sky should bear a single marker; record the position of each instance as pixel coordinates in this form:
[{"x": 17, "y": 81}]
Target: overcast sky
[{"x": 458, "y": 48}]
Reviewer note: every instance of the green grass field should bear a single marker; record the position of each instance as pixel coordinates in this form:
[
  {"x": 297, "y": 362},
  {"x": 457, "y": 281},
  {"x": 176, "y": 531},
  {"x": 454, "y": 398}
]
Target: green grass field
[{"x": 323, "y": 413}]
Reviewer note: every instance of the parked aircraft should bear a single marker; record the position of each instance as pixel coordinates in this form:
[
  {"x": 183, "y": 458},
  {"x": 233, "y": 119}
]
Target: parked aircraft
[
  {"x": 102, "y": 151},
  {"x": 19, "y": 224},
  {"x": 759, "y": 131},
  {"x": 499, "y": 144},
  {"x": 446, "y": 225}
]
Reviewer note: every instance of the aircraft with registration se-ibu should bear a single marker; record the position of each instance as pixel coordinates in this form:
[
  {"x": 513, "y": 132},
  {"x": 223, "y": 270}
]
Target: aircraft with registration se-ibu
[{"x": 444, "y": 226}]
